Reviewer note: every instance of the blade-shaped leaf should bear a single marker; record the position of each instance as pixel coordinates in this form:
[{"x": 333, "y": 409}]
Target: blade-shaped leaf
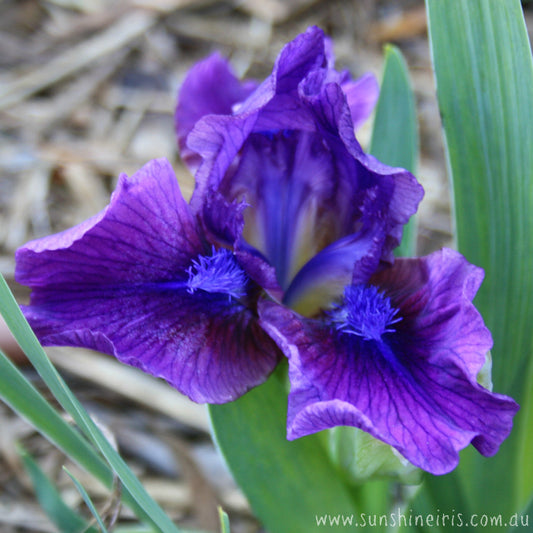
[
  {"x": 23, "y": 398},
  {"x": 395, "y": 133},
  {"x": 56, "y": 509},
  {"x": 224, "y": 521},
  {"x": 87, "y": 500},
  {"x": 524, "y": 457},
  {"x": 288, "y": 483},
  {"x": 522, "y": 521},
  {"x": 135, "y": 493},
  {"x": 484, "y": 75}
]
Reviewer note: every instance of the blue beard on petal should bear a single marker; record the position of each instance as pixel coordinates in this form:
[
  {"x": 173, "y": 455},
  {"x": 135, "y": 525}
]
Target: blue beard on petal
[
  {"x": 364, "y": 312},
  {"x": 218, "y": 273}
]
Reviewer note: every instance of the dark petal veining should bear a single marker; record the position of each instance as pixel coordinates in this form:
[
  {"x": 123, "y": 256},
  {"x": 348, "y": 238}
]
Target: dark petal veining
[
  {"x": 208, "y": 349},
  {"x": 415, "y": 388},
  {"x": 290, "y": 152},
  {"x": 134, "y": 239},
  {"x": 129, "y": 282}
]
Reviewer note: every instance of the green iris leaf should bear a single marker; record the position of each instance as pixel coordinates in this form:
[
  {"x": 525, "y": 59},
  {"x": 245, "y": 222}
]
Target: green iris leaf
[
  {"x": 21, "y": 399},
  {"x": 395, "y": 134},
  {"x": 484, "y": 76}
]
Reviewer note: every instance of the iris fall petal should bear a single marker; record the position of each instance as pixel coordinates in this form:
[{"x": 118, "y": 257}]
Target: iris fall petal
[
  {"x": 128, "y": 282},
  {"x": 413, "y": 383}
]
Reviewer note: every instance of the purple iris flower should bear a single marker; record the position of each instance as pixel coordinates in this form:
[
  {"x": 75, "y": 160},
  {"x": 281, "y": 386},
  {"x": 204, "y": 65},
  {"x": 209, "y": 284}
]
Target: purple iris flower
[
  {"x": 317, "y": 203},
  {"x": 399, "y": 353},
  {"x": 147, "y": 282},
  {"x": 398, "y": 357},
  {"x": 285, "y": 248}
]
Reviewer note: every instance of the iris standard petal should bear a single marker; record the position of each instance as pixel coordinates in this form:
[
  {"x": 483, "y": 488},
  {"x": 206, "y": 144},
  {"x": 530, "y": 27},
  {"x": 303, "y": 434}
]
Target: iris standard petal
[
  {"x": 289, "y": 151},
  {"x": 414, "y": 389},
  {"x": 141, "y": 281},
  {"x": 217, "y": 139},
  {"x": 285, "y": 177},
  {"x": 210, "y": 87},
  {"x": 303, "y": 54},
  {"x": 369, "y": 189},
  {"x": 361, "y": 96}
]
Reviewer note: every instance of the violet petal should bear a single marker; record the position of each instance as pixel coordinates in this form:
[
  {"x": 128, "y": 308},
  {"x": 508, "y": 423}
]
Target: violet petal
[
  {"x": 415, "y": 387},
  {"x": 209, "y": 88},
  {"x": 381, "y": 192},
  {"x": 135, "y": 239},
  {"x": 206, "y": 347},
  {"x": 361, "y": 96},
  {"x": 128, "y": 282}
]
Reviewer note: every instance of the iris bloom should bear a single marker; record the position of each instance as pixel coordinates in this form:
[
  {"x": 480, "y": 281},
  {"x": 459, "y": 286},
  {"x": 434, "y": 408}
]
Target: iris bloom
[
  {"x": 393, "y": 349},
  {"x": 317, "y": 203},
  {"x": 285, "y": 248},
  {"x": 397, "y": 356},
  {"x": 145, "y": 281}
]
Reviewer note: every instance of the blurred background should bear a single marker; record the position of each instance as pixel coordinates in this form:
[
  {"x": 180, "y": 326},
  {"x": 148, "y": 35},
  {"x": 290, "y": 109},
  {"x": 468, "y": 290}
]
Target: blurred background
[{"x": 87, "y": 91}]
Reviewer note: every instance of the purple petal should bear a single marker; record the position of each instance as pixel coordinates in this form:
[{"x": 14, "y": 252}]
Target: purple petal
[
  {"x": 208, "y": 348},
  {"x": 209, "y": 88},
  {"x": 361, "y": 95},
  {"x": 307, "y": 190},
  {"x": 218, "y": 139},
  {"x": 289, "y": 151},
  {"x": 223, "y": 223},
  {"x": 298, "y": 58},
  {"x": 285, "y": 178},
  {"x": 322, "y": 279},
  {"x": 284, "y": 112},
  {"x": 435, "y": 296},
  {"x": 403, "y": 203},
  {"x": 415, "y": 389},
  {"x": 380, "y": 192},
  {"x": 121, "y": 283},
  {"x": 146, "y": 233}
]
